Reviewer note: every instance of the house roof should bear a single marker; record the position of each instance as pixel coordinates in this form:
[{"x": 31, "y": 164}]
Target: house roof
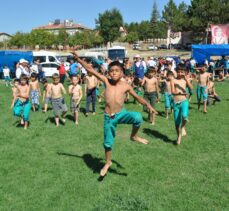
[
  {"x": 62, "y": 26},
  {"x": 3, "y": 33}
]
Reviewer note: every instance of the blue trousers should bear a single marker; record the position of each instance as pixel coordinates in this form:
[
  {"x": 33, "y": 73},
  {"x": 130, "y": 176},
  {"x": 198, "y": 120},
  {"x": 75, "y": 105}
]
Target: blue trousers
[{"x": 91, "y": 98}]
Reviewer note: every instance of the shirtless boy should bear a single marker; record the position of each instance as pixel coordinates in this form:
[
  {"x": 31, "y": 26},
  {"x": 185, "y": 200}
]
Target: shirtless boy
[
  {"x": 114, "y": 112},
  {"x": 181, "y": 104},
  {"x": 168, "y": 94},
  {"x": 75, "y": 91},
  {"x": 46, "y": 98},
  {"x": 22, "y": 105},
  {"x": 34, "y": 91},
  {"x": 212, "y": 95},
  {"x": 56, "y": 89},
  {"x": 203, "y": 79},
  {"x": 91, "y": 83},
  {"x": 151, "y": 93},
  {"x": 14, "y": 91}
]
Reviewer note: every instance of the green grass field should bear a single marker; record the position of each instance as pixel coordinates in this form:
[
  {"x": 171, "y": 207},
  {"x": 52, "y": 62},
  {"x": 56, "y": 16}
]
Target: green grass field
[{"x": 49, "y": 168}]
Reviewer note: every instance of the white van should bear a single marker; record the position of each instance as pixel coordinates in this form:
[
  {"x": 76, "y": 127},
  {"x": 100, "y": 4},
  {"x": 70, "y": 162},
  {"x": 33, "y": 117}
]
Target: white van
[
  {"x": 117, "y": 52},
  {"x": 48, "y": 60},
  {"x": 97, "y": 55}
]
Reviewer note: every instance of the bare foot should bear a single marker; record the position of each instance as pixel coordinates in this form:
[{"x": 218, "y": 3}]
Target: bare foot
[
  {"x": 179, "y": 140},
  {"x": 205, "y": 112},
  {"x": 105, "y": 169},
  {"x": 183, "y": 131},
  {"x": 22, "y": 122},
  {"x": 139, "y": 139}
]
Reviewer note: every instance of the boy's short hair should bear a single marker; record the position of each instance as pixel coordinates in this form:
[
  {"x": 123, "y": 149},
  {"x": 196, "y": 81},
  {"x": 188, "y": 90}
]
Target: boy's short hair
[
  {"x": 55, "y": 76},
  {"x": 152, "y": 70},
  {"x": 169, "y": 73},
  {"x": 115, "y": 63},
  {"x": 23, "y": 77},
  {"x": 74, "y": 76},
  {"x": 16, "y": 80},
  {"x": 33, "y": 75},
  {"x": 44, "y": 80},
  {"x": 180, "y": 67}
]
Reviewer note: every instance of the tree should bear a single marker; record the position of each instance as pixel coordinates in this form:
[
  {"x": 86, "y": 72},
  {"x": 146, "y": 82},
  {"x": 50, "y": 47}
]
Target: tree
[
  {"x": 144, "y": 30},
  {"x": 169, "y": 14},
  {"x": 20, "y": 40},
  {"x": 132, "y": 37},
  {"x": 158, "y": 28},
  {"x": 42, "y": 38},
  {"x": 108, "y": 25},
  {"x": 155, "y": 16},
  {"x": 63, "y": 37}
]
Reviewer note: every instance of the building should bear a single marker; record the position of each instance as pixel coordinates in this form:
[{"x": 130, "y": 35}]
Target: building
[
  {"x": 68, "y": 25},
  {"x": 4, "y": 37}
]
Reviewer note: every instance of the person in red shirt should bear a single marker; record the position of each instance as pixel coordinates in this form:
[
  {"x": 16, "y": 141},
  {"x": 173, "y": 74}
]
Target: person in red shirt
[{"x": 62, "y": 72}]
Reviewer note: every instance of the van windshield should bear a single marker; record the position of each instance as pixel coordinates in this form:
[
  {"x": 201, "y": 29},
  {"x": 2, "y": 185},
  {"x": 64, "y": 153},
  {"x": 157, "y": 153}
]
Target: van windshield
[{"x": 114, "y": 54}]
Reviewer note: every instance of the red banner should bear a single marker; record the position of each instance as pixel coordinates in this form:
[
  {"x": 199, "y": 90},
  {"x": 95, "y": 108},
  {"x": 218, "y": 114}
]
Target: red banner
[{"x": 220, "y": 34}]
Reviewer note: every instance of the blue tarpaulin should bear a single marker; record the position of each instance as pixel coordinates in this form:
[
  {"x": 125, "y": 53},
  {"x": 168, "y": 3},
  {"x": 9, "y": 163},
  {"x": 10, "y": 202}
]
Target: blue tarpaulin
[
  {"x": 202, "y": 52},
  {"x": 11, "y": 58}
]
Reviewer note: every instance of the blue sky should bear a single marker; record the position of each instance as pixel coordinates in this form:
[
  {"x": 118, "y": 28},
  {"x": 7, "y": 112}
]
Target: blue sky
[{"x": 23, "y": 15}]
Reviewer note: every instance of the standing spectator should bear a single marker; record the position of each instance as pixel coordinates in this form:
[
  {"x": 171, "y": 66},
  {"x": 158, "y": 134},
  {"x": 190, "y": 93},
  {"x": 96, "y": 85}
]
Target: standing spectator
[
  {"x": 23, "y": 68},
  {"x": 139, "y": 67},
  {"x": 74, "y": 68},
  {"x": 62, "y": 72},
  {"x": 6, "y": 74}
]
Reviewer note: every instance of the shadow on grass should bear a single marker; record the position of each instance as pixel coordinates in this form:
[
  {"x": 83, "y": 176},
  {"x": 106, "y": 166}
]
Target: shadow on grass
[
  {"x": 52, "y": 120},
  {"x": 154, "y": 133},
  {"x": 95, "y": 164},
  {"x": 70, "y": 117}
]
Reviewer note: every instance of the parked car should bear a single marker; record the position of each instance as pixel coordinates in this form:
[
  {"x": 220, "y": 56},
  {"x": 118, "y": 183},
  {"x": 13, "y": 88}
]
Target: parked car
[
  {"x": 163, "y": 46},
  {"x": 136, "y": 46},
  {"x": 152, "y": 47}
]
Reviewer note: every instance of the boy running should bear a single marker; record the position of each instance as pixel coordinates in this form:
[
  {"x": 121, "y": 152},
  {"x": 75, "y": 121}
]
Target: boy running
[
  {"x": 178, "y": 88},
  {"x": 75, "y": 91},
  {"x": 91, "y": 83},
  {"x": 56, "y": 89},
  {"x": 168, "y": 94},
  {"x": 115, "y": 93},
  {"x": 46, "y": 98},
  {"x": 151, "y": 93},
  {"x": 203, "y": 79},
  {"x": 22, "y": 105},
  {"x": 34, "y": 91}
]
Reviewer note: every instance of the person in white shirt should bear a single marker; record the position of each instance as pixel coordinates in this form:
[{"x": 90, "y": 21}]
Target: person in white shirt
[
  {"x": 23, "y": 68},
  {"x": 151, "y": 62},
  {"x": 6, "y": 74}
]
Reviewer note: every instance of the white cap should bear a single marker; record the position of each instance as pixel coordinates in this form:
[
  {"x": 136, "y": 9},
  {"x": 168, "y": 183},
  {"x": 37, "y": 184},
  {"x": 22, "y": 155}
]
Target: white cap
[
  {"x": 23, "y": 61},
  {"x": 137, "y": 56}
]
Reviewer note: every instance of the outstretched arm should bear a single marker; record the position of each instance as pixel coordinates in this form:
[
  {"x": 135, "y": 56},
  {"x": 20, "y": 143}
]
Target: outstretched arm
[
  {"x": 142, "y": 101},
  {"x": 90, "y": 69}
]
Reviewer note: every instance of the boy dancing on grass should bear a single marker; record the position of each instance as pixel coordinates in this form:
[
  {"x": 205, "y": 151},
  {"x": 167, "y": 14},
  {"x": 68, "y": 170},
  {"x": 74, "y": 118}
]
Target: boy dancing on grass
[
  {"x": 115, "y": 114},
  {"x": 75, "y": 91},
  {"x": 151, "y": 93},
  {"x": 203, "y": 80},
  {"x": 56, "y": 89},
  {"x": 181, "y": 103},
  {"x": 34, "y": 91},
  {"x": 21, "y": 101}
]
